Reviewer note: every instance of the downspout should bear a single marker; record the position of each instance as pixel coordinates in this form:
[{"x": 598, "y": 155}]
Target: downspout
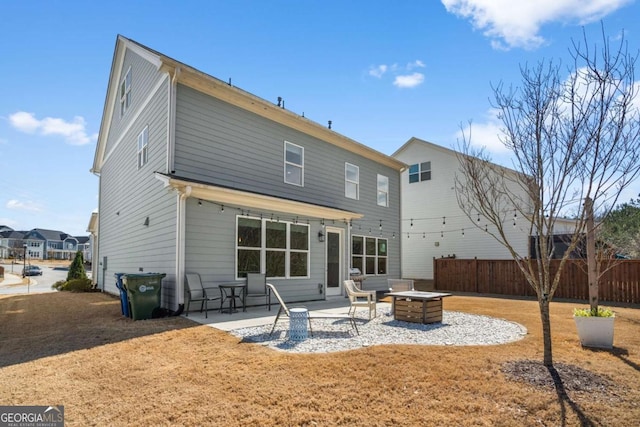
[{"x": 181, "y": 201}]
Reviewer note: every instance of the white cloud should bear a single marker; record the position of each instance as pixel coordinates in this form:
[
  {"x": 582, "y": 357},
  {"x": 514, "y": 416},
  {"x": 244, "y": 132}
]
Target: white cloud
[
  {"x": 378, "y": 71},
  {"x": 402, "y": 76},
  {"x": 409, "y": 80},
  {"x": 23, "y": 206},
  {"x": 73, "y": 132},
  {"x": 485, "y": 134},
  {"x": 511, "y": 23}
]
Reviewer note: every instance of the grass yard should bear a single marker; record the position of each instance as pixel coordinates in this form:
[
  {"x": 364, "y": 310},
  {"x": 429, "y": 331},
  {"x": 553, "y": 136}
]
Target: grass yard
[{"x": 78, "y": 351}]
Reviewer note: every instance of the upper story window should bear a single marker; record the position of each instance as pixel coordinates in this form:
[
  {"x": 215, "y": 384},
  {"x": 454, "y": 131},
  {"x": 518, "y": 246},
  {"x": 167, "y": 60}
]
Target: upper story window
[
  {"x": 293, "y": 164},
  {"x": 125, "y": 93},
  {"x": 420, "y": 172},
  {"x": 143, "y": 144},
  {"x": 383, "y": 190},
  {"x": 351, "y": 181}
]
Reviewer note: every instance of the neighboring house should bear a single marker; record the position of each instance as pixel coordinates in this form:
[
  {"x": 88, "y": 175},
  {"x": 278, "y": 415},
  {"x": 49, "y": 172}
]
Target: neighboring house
[
  {"x": 43, "y": 244},
  {"x": 84, "y": 246},
  {"x": 197, "y": 175},
  {"x": 433, "y": 225},
  {"x": 50, "y": 244},
  {"x": 11, "y": 243}
]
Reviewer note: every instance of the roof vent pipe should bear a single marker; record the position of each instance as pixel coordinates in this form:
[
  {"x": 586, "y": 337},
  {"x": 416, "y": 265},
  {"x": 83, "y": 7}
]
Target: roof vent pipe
[{"x": 329, "y": 124}]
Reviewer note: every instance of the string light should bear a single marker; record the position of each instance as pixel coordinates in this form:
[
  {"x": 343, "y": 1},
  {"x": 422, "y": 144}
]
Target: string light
[
  {"x": 221, "y": 208},
  {"x": 463, "y": 232},
  {"x": 424, "y": 235},
  {"x": 412, "y": 223},
  {"x": 444, "y": 221},
  {"x": 380, "y": 225}
]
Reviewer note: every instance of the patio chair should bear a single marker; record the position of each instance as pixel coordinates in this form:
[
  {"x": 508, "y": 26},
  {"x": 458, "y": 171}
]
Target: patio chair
[
  {"x": 400, "y": 285},
  {"x": 257, "y": 287},
  {"x": 360, "y": 298},
  {"x": 197, "y": 292},
  {"x": 284, "y": 310}
]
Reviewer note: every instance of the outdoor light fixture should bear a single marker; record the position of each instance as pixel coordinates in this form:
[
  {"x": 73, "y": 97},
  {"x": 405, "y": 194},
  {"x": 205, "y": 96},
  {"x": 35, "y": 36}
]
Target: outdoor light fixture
[{"x": 320, "y": 236}]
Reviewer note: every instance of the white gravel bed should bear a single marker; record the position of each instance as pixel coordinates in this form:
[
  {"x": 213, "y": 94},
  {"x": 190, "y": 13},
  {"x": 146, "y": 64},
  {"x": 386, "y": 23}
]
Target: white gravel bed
[{"x": 456, "y": 329}]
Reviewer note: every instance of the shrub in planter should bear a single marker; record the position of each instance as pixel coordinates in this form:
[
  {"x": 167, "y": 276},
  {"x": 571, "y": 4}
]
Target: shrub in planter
[{"x": 587, "y": 312}]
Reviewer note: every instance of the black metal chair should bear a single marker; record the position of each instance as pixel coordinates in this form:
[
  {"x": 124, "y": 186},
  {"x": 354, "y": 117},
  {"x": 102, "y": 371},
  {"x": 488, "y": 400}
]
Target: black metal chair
[
  {"x": 197, "y": 292},
  {"x": 257, "y": 287}
]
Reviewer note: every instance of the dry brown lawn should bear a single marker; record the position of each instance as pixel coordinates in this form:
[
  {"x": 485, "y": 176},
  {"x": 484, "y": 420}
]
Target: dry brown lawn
[{"x": 78, "y": 351}]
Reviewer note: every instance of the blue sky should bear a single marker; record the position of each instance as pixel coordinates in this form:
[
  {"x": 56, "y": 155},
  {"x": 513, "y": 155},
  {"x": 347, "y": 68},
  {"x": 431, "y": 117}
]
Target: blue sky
[{"x": 382, "y": 72}]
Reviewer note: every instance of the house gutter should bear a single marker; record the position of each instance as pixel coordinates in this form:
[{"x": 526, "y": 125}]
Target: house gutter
[{"x": 181, "y": 200}]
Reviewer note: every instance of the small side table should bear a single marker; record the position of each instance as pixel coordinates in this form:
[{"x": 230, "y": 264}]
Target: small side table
[
  {"x": 228, "y": 292},
  {"x": 298, "y": 319}
]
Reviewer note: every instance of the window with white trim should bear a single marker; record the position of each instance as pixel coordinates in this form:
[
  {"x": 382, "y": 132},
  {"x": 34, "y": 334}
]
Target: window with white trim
[
  {"x": 143, "y": 147},
  {"x": 383, "y": 190},
  {"x": 125, "y": 93},
  {"x": 420, "y": 172},
  {"x": 369, "y": 254},
  {"x": 293, "y": 164},
  {"x": 278, "y": 248},
  {"x": 351, "y": 181}
]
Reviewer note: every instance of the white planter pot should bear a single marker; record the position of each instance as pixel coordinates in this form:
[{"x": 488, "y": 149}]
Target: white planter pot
[{"x": 595, "y": 331}]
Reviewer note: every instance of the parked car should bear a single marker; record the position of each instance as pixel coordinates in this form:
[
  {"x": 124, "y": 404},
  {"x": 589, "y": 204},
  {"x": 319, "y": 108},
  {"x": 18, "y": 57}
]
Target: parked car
[{"x": 31, "y": 270}]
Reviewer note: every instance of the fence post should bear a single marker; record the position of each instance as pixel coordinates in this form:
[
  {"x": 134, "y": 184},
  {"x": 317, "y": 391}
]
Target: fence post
[
  {"x": 475, "y": 273},
  {"x": 435, "y": 274}
]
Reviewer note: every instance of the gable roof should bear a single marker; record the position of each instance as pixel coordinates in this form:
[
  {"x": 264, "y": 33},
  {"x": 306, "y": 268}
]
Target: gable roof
[
  {"x": 414, "y": 141},
  {"x": 12, "y": 234},
  {"x": 212, "y": 86},
  {"x": 46, "y": 234}
]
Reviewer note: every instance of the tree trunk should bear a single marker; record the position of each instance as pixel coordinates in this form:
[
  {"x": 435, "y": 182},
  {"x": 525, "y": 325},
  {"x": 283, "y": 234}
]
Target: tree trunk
[
  {"x": 546, "y": 331},
  {"x": 592, "y": 272}
]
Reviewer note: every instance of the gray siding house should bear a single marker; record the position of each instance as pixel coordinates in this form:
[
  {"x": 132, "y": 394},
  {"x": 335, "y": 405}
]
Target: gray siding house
[{"x": 197, "y": 175}]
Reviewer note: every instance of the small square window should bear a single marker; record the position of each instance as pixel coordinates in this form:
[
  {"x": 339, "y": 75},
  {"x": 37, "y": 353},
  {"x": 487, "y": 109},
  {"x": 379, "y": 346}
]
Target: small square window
[{"x": 420, "y": 172}]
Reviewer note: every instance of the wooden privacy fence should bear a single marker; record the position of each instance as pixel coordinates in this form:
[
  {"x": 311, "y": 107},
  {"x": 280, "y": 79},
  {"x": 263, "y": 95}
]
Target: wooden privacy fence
[{"x": 619, "y": 284}]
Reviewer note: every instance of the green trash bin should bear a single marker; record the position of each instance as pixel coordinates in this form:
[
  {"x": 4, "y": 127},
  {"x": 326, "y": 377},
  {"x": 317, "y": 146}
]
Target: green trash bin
[{"x": 144, "y": 292}]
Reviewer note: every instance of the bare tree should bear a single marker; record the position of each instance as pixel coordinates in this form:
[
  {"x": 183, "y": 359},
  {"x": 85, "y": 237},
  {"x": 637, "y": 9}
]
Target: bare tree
[{"x": 572, "y": 140}]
